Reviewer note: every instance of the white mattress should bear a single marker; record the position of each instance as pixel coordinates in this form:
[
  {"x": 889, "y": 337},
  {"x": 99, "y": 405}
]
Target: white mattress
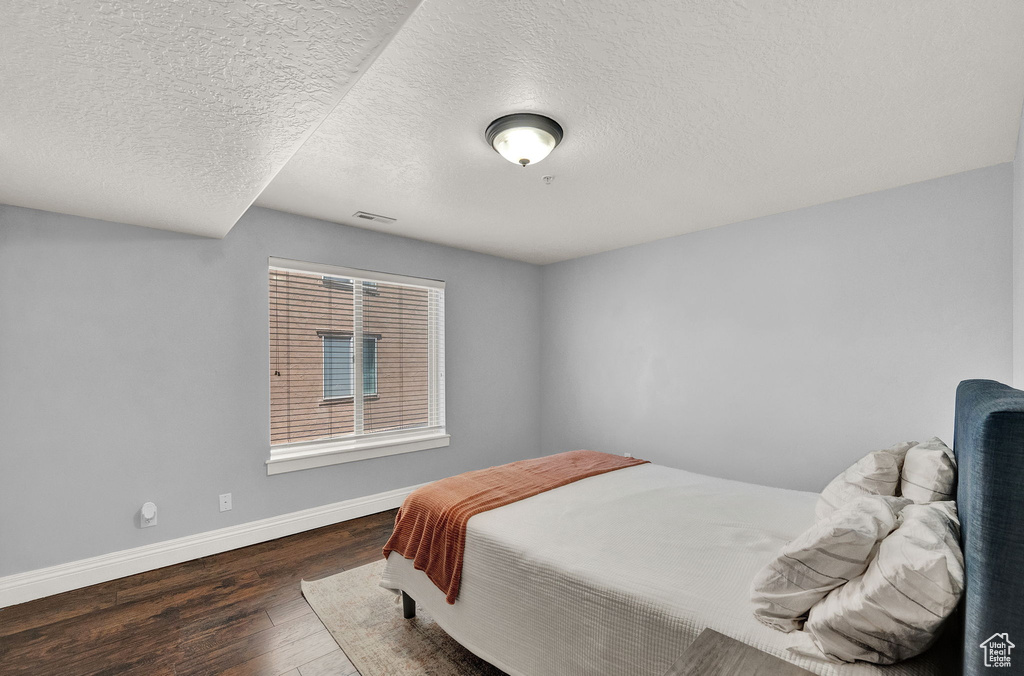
[{"x": 617, "y": 574}]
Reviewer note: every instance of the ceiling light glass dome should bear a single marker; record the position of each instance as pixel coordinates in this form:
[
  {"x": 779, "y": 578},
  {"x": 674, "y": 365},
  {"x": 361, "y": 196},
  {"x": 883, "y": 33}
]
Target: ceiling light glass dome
[{"x": 524, "y": 138}]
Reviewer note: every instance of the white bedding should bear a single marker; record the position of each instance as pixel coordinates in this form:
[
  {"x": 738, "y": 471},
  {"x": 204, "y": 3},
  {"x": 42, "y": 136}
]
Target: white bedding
[{"x": 617, "y": 574}]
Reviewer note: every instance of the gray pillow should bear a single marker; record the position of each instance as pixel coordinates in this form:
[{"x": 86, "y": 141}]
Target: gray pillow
[
  {"x": 896, "y": 609},
  {"x": 929, "y": 472},
  {"x": 831, "y": 552},
  {"x": 877, "y": 473}
]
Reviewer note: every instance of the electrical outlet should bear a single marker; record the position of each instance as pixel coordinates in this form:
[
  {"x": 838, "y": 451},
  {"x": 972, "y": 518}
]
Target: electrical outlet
[
  {"x": 225, "y": 502},
  {"x": 628, "y": 455}
]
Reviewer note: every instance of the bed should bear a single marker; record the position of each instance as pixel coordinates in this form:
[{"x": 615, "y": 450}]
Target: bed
[{"x": 619, "y": 573}]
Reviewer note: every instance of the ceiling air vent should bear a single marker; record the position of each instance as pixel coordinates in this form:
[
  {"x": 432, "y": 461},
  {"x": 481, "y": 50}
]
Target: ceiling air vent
[{"x": 376, "y": 218}]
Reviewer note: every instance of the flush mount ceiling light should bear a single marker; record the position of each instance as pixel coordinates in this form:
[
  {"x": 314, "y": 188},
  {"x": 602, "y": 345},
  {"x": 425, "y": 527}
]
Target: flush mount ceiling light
[{"x": 524, "y": 138}]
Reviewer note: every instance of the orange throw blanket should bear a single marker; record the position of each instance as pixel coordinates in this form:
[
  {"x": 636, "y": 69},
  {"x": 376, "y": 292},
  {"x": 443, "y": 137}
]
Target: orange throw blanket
[{"x": 431, "y": 525}]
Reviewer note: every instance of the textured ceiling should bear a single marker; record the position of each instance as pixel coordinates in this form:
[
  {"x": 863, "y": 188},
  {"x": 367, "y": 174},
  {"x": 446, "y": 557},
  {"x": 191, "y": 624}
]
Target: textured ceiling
[
  {"x": 679, "y": 115},
  {"x": 171, "y": 114}
]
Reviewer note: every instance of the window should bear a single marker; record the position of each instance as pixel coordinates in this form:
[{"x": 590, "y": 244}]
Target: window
[
  {"x": 356, "y": 365},
  {"x": 339, "y": 370},
  {"x": 369, "y": 288}
]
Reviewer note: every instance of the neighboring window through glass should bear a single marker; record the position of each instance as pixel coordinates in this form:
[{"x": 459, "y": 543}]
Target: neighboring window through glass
[
  {"x": 339, "y": 370},
  {"x": 345, "y": 284}
]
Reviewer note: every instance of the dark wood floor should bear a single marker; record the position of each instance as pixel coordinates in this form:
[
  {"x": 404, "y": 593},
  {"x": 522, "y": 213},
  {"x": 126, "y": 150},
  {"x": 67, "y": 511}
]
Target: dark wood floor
[{"x": 240, "y": 612}]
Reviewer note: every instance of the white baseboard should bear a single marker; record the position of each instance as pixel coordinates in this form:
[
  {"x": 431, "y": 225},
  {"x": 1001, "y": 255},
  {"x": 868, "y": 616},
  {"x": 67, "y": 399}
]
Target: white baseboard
[{"x": 36, "y": 584}]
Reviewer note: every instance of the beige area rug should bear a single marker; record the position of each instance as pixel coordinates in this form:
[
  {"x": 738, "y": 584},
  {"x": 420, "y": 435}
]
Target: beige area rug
[{"x": 366, "y": 621}]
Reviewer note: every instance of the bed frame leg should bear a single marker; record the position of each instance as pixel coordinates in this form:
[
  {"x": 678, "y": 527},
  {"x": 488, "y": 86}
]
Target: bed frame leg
[{"x": 408, "y": 606}]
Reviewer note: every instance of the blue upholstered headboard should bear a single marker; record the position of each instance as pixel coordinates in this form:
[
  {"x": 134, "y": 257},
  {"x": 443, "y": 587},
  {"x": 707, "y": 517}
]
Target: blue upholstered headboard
[{"x": 988, "y": 441}]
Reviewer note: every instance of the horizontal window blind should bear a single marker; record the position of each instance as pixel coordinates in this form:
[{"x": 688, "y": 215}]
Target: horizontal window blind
[{"x": 353, "y": 353}]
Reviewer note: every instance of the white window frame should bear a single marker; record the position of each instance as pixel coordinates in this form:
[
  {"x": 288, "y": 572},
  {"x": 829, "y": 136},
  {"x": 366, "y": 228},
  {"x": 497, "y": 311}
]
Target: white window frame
[{"x": 358, "y": 445}]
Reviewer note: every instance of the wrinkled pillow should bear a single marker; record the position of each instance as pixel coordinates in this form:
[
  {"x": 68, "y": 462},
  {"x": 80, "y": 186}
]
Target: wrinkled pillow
[
  {"x": 929, "y": 472},
  {"x": 828, "y": 554},
  {"x": 899, "y": 451},
  {"x": 895, "y": 610},
  {"x": 877, "y": 473}
]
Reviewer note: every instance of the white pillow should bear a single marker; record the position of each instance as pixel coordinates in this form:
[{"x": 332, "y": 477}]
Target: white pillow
[
  {"x": 899, "y": 451},
  {"x": 877, "y": 473},
  {"x": 929, "y": 472},
  {"x": 828, "y": 554},
  {"x": 896, "y": 608}
]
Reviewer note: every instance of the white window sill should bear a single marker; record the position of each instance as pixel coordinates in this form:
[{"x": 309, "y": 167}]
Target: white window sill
[{"x": 310, "y": 454}]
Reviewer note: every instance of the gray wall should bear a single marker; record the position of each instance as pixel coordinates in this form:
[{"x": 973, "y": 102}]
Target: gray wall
[
  {"x": 781, "y": 349},
  {"x": 133, "y": 362},
  {"x": 133, "y": 367}
]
